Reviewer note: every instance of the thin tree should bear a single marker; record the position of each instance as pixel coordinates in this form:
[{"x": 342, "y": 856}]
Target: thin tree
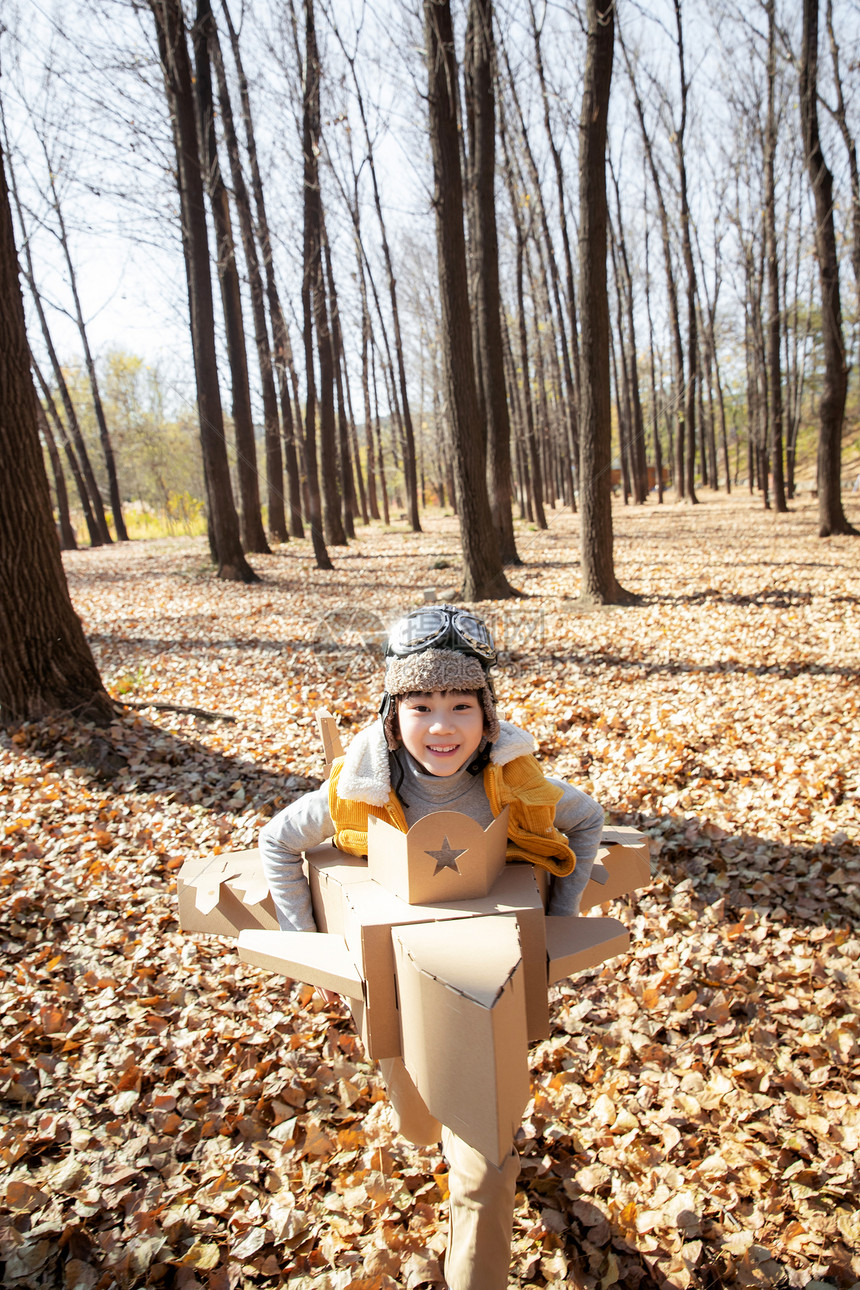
[
  {"x": 66, "y": 532},
  {"x": 281, "y": 348},
  {"x": 251, "y": 522},
  {"x": 315, "y": 281},
  {"x": 774, "y": 319},
  {"x": 45, "y": 662},
  {"x": 276, "y": 517},
  {"x": 483, "y": 573},
  {"x": 599, "y": 584},
  {"x": 679, "y": 132},
  {"x": 831, "y": 516},
  {"x": 224, "y": 539},
  {"x": 74, "y": 466},
  {"x": 479, "y": 73},
  {"x": 98, "y": 406},
  {"x": 671, "y": 285},
  {"x": 410, "y": 471},
  {"x": 313, "y": 287}
]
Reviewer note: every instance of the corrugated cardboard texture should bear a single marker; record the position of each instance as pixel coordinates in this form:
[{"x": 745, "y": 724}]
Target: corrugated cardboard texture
[
  {"x": 574, "y": 944},
  {"x": 445, "y": 856},
  {"x": 622, "y": 865},
  {"x": 369, "y": 913},
  {"x": 462, "y": 1008},
  {"x": 321, "y": 960},
  {"x": 223, "y": 894},
  {"x": 329, "y": 871}
]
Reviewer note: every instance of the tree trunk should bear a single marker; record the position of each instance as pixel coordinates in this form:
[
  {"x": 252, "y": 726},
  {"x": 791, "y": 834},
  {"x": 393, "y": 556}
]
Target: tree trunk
[
  {"x": 282, "y": 350},
  {"x": 312, "y": 286},
  {"x": 277, "y": 521},
  {"x": 599, "y": 584},
  {"x": 831, "y": 516},
  {"x": 409, "y": 464},
  {"x": 251, "y": 522},
  {"x": 68, "y": 541},
  {"x": 484, "y": 577},
  {"x": 80, "y": 484},
  {"x": 45, "y": 661},
  {"x": 565, "y": 241},
  {"x": 774, "y": 328},
  {"x": 481, "y": 120},
  {"x": 176, "y": 68},
  {"x": 98, "y": 408},
  {"x": 680, "y": 480},
  {"x": 655, "y": 418}
]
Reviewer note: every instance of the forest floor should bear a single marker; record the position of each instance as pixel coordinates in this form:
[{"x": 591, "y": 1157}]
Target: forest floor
[{"x": 172, "y": 1117}]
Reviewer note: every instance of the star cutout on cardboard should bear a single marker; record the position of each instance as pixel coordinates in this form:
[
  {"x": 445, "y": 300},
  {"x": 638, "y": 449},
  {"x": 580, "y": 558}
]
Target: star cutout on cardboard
[{"x": 446, "y": 858}]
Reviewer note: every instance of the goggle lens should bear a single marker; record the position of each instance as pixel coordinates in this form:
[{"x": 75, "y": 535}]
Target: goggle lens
[{"x": 424, "y": 628}]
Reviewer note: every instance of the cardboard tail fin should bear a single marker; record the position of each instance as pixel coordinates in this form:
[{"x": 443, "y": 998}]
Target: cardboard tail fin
[
  {"x": 332, "y": 747},
  {"x": 623, "y": 865}
]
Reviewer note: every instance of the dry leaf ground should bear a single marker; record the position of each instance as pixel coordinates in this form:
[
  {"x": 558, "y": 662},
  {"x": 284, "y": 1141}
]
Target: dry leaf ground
[{"x": 172, "y": 1118}]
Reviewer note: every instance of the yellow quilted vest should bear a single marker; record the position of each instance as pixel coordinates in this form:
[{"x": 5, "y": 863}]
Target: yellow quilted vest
[{"x": 520, "y": 784}]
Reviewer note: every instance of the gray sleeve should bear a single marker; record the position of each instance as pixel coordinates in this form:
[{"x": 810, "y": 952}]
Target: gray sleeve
[
  {"x": 581, "y": 819},
  {"x": 300, "y": 826}
]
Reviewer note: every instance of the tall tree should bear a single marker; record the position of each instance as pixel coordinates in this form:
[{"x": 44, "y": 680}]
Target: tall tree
[
  {"x": 313, "y": 291},
  {"x": 481, "y": 120},
  {"x": 277, "y": 522},
  {"x": 599, "y": 584},
  {"x": 483, "y": 573},
  {"x": 250, "y": 519},
  {"x": 671, "y": 285},
  {"x": 831, "y": 516},
  {"x": 223, "y": 521},
  {"x": 98, "y": 406},
  {"x": 282, "y": 350},
  {"x": 409, "y": 464},
  {"x": 774, "y": 318},
  {"x": 680, "y": 132},
  {"x": 45, "y": 662}
]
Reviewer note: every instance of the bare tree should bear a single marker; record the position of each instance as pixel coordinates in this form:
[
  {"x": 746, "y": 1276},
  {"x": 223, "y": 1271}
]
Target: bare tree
[
  {"x": 313, "y": 300},
  {"x": 45, "y": 662},
  {"x": 479, "y": 70},
  {"x": 224, "y": 539},
  {"x": 774, "y": 321},
  {"x": 282, "y": 350},
  {"x": 599, "y": 584},
  {"x": 831, "y": 516},
  {"x": 483, "y": 574},
  {"x": 98, "y": 407},
  {"x": 277, "y": 522},
  {"x": 251, "y": 523}
]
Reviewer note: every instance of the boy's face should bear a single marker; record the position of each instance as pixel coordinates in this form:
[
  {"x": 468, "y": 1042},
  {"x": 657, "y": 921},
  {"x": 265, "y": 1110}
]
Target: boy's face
[{"x": 442, "y": 730}]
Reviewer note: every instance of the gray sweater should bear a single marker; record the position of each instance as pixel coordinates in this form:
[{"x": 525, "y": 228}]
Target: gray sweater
[{"x": 307, "y": 822}]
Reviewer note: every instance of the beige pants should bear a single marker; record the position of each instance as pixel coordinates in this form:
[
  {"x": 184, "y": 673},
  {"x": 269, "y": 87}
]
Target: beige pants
[{"x": 481, "y": 1194}]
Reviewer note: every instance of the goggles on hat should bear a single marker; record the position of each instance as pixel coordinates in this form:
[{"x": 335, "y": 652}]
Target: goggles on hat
[{"x": 441, "y": 627}]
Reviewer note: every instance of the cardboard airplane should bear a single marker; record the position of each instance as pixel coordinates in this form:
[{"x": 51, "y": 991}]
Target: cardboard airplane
[{"x": 440, "y": 946}]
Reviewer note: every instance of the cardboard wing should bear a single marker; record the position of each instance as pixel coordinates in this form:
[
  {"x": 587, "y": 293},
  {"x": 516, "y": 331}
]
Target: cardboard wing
[
  {"x": 574, "y": 943},
  {"x": 317, "y": 958},
  {"x": 223, "y": 894},
  {"x": 463, "y": 1026},
  {"x": 622, "y": 865}
]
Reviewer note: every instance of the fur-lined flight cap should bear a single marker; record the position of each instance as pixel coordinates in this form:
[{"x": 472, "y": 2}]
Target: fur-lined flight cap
[{"x": 458, "y": 655}]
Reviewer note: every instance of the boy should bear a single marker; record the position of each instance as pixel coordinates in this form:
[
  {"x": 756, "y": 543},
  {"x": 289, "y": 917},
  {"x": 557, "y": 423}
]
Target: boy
[{"x": 439, "y": 745}]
